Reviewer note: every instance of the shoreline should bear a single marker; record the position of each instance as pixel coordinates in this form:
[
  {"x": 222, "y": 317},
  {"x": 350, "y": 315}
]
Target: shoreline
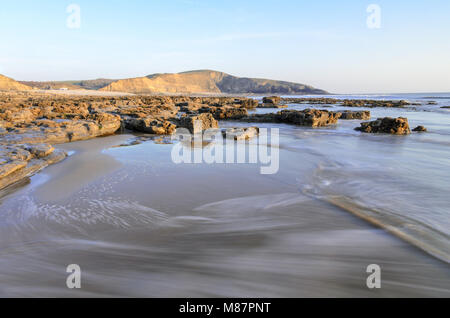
[
  {"x": 82, "y": 118},
  {"x": 308, "y": 232}
]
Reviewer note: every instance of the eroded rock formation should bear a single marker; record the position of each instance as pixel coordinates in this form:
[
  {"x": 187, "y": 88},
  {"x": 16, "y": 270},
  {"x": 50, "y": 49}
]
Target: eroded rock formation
[{"x": 387, "y": 125}]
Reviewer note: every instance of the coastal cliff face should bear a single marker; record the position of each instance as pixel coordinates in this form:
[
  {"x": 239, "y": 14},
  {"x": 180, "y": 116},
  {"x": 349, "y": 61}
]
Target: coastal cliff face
[
  {"x": 8, "y": 84},
  {"x": 194, "y": 82},
  {"x": 207, "y": 82}
]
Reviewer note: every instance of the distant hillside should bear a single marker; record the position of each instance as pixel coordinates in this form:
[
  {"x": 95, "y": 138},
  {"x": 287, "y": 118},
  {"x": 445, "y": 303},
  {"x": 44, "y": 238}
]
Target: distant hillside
[
  {"x": 207, "y": 82},
  {"x": 8, "y": 84},
  {"x": 83, "y": 84}
]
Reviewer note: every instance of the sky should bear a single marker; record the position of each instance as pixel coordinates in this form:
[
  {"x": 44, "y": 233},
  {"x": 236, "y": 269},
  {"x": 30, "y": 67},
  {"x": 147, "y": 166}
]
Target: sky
[{"x": 326, "y": 44}]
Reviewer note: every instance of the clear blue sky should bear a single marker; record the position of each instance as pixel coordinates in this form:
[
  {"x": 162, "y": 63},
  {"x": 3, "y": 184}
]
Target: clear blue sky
[{"x": 323, "y": 43}]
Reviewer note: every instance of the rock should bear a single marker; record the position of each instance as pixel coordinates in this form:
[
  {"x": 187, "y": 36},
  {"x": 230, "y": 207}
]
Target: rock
[
  {"x": 248, "y": 103},
  {"x": 196, "y": 124},
  {"x": 151, "y": 125},
  {"x": 446, "y": 107},
  {"x": 221, "y": 113},
  {"x": 108, "y": 123},
  {"x": 307, "y": 117},
  {"x": 420, "y": 129},
  {"x": 39, "y": 150},
  {"x": 19, "y": 161},
  {"x": 240, "y": 133},
  {"x": 348, "y": 114},
  {"x": 346, "y": 102},
  {"x": 19, "y": 115},
  {"x": 189, "y": 106},
  {"x": 396, "y": 126},
  {"x": 273, "y": 100},
  {"x": 432, "y": 103}
]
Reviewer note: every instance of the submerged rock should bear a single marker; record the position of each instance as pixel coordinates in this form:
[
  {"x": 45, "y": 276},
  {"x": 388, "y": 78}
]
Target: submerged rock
[
  {"x": 420, "y": 129},
  {"x": 388, "y": 125}
]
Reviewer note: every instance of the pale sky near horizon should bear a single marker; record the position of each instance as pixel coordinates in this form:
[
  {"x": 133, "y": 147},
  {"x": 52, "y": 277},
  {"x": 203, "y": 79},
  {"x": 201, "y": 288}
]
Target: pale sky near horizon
[{"x": 326, "y": 44}]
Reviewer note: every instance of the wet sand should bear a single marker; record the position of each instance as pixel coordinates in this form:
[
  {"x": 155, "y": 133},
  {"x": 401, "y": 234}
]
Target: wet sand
[
  {"x": 87, "y": 163},
  {"x": 139, "y": 225}
]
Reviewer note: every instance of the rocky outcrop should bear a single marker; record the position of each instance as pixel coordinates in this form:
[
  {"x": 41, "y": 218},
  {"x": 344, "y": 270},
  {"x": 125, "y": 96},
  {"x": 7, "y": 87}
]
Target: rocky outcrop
[
  {"x": 196, "y": 124},
  {"x": 61, "y": 130},
  {"x": 248, "y": 103},
  {"x": 346, "y": 102},
  {"x": 222, "y": 113},
  {"x": 20, "y": 161},
  {"x": 348, "y": 114},
  {"x": 387, "y": 125},
  {"x": 271, "y": 102},
  {"x": 274, "y": 100},
  {"x": 307, "y": 117},
  {"x": 151, "y": 125}
]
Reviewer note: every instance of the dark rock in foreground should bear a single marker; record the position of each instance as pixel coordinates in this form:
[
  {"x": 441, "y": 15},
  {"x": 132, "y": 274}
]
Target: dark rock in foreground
[{"x": 387, "y": 125}]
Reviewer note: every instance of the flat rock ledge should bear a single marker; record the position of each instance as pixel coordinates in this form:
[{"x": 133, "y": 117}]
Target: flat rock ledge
[
  {"x": 361, "y": 115},
  {"x": 22, "y": 160},
  {"x": 386, "y": 125},
  {"x": 307, "y": 117}
]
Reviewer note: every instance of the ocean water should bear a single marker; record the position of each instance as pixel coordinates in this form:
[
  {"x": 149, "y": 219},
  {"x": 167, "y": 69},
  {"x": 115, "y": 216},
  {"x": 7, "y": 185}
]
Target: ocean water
[{"x": 140, "y": 225}]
